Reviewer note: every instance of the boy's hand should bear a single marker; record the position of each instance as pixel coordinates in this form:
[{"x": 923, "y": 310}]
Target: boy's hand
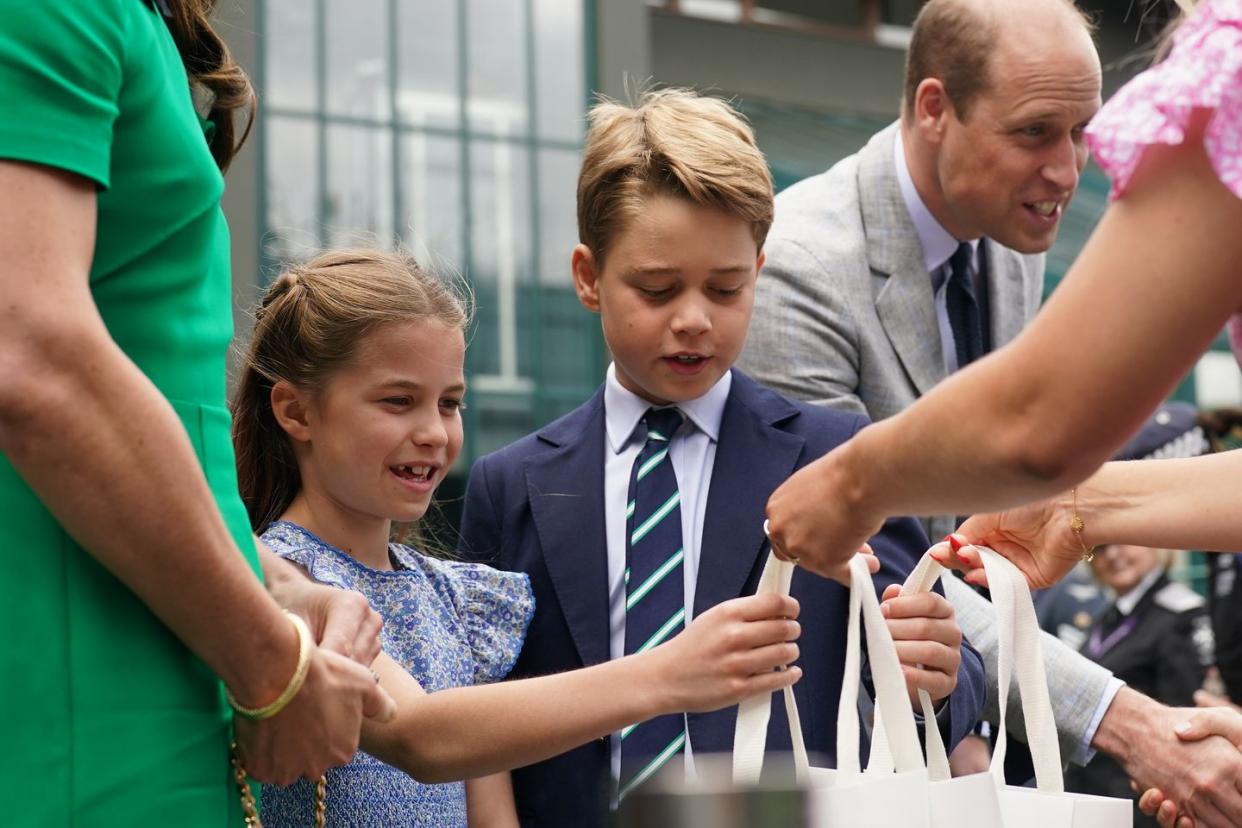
[{"x": 928, "y": 640}]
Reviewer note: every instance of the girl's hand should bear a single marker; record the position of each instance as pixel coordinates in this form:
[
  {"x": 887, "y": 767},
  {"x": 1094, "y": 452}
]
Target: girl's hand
[
  {"x": 928, "y": 640},
  {"x": 1036, "y": 537},
  {"x": 735, "y": 650},
  {"x": 812, "y": 523},
  {"x": 320, "y": 727}
]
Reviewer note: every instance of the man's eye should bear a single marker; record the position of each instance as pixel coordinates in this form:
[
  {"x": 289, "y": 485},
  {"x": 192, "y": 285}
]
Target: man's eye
[
  {"x": 1034, "y": 131},
  {"x": 397, "y": 400}
]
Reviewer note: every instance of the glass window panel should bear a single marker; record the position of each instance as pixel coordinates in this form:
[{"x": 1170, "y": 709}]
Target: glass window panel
[
  {"x": 432, "y": 195},
  {"x": 558, "y": 217},
  {"x": 359, "y": 192},
  {"x": 496, "y": 81},
  {"x": 289, "y": 52},
  {"x": 560, "y": 70},
  {"x": 357, "y": 59},
  {"x": 428, "y": 55},
  {"x": 292, "y": 153},
  {"x": 502, "y": 420},
  {"x": 501, "y": 243}
]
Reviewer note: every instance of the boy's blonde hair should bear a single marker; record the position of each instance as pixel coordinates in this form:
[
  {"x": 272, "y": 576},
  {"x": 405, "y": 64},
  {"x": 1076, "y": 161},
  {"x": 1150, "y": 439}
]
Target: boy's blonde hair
[{"x": 671, "y": 142}]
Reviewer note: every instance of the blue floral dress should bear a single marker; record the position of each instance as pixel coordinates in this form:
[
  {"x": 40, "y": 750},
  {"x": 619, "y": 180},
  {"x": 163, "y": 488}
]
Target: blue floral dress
[{"x": 450, "y": 624}]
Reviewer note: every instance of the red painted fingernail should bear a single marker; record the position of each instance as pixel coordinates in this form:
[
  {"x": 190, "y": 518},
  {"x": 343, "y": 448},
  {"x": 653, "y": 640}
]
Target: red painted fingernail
[{"x": 954, "y": 542}]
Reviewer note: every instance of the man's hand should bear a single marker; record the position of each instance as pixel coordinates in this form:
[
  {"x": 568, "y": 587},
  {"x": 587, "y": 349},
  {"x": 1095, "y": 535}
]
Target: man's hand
[
  {"x": 341, "y": 620},
  {"x": 928, "y": 639},
  {"x": 1195, "y": 769}
]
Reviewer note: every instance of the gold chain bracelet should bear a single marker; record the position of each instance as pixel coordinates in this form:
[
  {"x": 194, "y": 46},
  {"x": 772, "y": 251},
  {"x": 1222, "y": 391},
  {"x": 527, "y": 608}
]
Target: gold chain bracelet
[
  {"x": 250, "y": 809},
  {"x": 1078, "y": 526}
]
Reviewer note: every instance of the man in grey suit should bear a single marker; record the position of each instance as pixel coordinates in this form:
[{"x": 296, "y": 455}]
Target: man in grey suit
[{"x": 924, "y": 251}]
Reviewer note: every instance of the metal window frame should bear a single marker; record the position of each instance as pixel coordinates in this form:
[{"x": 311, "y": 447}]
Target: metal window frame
[{"x": 546, "y": 396}]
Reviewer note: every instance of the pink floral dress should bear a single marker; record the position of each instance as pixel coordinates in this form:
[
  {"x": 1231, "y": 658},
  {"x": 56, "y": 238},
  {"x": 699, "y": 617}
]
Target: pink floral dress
[{"x": 1203, "y": 71}]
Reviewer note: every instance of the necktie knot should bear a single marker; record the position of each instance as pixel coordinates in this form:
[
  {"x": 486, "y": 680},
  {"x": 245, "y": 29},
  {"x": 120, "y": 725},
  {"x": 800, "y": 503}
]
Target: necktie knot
[{"x": 662, "y": 423}]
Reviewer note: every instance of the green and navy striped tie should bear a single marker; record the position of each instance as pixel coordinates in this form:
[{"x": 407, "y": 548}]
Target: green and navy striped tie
[{"x": 655, "y": 605}]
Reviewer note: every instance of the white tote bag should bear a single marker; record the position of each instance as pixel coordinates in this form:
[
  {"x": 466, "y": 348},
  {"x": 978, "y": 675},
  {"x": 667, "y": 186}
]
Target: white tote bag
[
  {"x": 1020, "y": 654},
  {"x": 897, "y": 793}
]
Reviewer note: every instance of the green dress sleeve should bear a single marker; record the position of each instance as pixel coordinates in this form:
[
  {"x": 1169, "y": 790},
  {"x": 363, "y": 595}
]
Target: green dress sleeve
[{"x": 61, "y": 75}]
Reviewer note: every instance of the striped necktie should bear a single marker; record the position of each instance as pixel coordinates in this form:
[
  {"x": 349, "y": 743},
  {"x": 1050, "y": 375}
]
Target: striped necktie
[{"x": 655, "y": 605}]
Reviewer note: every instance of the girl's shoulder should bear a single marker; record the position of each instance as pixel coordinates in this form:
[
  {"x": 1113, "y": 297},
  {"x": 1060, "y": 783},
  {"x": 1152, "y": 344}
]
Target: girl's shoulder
[
  {"x": 323, "y": 561},
  {"x": 494, "y": 607}
]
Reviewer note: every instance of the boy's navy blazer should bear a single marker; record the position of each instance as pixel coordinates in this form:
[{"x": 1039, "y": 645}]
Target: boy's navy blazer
[{"x": 537, "y": 506}]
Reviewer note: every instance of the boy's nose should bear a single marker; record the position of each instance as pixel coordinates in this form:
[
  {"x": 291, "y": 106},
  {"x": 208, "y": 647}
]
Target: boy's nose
[{"x": 691, "y": 319}]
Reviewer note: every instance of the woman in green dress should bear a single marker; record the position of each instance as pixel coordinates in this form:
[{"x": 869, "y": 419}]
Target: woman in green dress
[{"x": 129, "y": 587}]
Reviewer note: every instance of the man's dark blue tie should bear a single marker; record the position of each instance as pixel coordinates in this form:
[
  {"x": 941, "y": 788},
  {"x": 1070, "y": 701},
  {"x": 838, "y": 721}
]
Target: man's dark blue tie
[
  {"x": 963, "y": 307},
  {"x": 655, "y": 604}
]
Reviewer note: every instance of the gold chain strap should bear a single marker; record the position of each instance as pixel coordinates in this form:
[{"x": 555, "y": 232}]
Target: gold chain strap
[{"x": 250, "y": 808}]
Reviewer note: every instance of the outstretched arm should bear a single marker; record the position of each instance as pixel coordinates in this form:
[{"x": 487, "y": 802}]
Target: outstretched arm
[
  {"x": 727, "y": 654},
  {"x": 1155, "y": 283}
]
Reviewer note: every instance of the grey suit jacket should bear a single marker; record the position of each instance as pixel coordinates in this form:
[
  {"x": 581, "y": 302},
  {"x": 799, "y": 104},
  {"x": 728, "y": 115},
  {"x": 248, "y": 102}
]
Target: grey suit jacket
[{"x": 845, "y": 316}]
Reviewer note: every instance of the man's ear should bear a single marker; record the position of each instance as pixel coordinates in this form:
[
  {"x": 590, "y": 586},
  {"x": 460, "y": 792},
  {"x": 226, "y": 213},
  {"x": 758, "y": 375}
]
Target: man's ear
[
  {"x": 932, "y": 109},
  {"x": 289, "y": 407},
  {"x": 586, "y": 277},
  {"x": 759, "y": 262}
]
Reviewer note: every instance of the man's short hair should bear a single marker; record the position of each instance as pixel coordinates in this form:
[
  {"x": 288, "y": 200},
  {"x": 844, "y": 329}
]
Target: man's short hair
[
  {"x": 953, "y": 40},
  {"x": 671, "y": 142}
]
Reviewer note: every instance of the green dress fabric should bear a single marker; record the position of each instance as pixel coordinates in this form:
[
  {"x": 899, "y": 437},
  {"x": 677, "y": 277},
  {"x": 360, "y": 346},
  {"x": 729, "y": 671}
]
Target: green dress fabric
[{"x": 109, "y": 719}]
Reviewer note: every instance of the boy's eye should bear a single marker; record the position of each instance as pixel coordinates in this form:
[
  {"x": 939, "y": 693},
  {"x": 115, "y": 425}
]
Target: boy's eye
[
  {"x": 452, "y": 405},
  {"x": 656, "y": 293},
  {"x": 728, "y": 291},
  {"x": 397, "y": 400}
]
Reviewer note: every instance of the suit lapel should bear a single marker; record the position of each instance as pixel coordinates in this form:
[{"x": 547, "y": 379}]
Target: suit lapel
[
  {"x": 1006, "y": 283},
  {"x": 905, "y": 302},
  {"x": 565, "y": 487},
  {"x": 753, "y": 457}
]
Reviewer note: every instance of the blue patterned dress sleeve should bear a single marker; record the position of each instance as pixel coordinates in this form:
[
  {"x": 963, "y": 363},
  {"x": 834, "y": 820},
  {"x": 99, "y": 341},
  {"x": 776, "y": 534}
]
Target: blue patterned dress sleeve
[{"x": 495, "y": 609}]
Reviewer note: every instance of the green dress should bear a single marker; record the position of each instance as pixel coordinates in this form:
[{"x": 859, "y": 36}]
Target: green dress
[{"x": 109, "y": 719}]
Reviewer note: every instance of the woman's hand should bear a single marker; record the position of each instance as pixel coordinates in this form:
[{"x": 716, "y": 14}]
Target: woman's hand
[
  {"x": 1036, "y": 538},
  {"x": 928, "y": 639},
  {"x": 812, "y": 521},
  {"x": 320, "y": 727},
  {"x": 735, "y": 650},
  {"x": 341, "y": 620}
]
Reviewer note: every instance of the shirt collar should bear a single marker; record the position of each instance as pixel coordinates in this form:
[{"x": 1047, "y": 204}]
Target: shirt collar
[
  {"x": 623, "y": 409},
  {"x": 938, "y": 243},
  {"x": 1126, "y": 603}
]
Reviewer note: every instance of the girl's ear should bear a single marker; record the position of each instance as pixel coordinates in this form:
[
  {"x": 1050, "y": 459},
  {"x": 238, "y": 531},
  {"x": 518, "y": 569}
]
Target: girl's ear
[{"x": 289, "y": 407}]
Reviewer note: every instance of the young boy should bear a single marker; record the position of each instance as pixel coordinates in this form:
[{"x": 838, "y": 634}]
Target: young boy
[{"x": 645, "y": 506}]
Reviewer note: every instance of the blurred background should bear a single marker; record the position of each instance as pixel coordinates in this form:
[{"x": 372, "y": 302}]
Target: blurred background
[{"x": 453, "y": 128}]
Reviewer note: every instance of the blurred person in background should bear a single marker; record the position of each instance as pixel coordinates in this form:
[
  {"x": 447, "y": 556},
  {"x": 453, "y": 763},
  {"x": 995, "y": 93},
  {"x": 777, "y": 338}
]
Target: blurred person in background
[{"x": 1155, "y": 635}]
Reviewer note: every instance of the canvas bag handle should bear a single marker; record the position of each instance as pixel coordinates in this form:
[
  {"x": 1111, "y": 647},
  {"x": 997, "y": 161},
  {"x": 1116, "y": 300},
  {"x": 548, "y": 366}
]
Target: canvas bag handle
[{"x": 750, "y": 735}]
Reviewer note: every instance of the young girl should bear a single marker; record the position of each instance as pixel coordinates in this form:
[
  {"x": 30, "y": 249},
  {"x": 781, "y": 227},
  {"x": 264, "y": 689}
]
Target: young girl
[{"x": 347, "y": 417}]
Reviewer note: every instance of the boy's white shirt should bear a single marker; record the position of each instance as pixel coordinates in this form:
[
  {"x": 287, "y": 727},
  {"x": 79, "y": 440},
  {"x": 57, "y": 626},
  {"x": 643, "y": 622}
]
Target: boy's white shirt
[{"x": 693, "y": 455}]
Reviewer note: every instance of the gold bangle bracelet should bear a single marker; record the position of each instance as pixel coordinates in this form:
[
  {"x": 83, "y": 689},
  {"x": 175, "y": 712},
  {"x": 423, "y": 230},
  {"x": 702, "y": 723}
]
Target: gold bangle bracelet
[
  {"x": 1078, "y": 526},
  {"x": 306, "y": 645}
]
